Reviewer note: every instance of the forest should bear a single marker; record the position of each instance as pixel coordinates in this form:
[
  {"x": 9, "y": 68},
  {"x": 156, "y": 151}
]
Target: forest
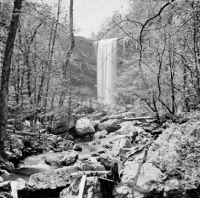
[{"x": 71, "y": 127}]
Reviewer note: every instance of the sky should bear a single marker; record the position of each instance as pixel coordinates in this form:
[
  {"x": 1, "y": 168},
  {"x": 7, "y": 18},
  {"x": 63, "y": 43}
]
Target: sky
[{"x": 90, "y": 14}]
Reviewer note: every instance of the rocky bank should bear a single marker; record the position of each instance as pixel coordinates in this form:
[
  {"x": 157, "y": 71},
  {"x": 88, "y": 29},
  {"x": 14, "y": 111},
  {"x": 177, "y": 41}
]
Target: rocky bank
[{"x": 124, "y": 156}]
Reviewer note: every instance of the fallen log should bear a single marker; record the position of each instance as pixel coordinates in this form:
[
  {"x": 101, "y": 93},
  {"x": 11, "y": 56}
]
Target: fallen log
[
  {"x": 89, "y": 173},
  {"x": 136, "y": 150},
  {"x": 82, "y": 186},
  {"x": 138, "y": 118}
]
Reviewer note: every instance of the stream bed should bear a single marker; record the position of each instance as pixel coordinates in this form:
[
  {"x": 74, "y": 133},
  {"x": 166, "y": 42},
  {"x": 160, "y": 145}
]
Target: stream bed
[{"x": 36, "y": 163}]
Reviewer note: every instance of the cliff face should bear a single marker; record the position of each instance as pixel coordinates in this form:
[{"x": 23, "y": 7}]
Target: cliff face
[{"x": 84, "y": 68}]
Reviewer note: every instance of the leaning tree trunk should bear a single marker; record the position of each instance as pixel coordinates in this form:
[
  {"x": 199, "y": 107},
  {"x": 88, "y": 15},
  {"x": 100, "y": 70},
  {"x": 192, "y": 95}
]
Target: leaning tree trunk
[{"x": 6, "y": 72}]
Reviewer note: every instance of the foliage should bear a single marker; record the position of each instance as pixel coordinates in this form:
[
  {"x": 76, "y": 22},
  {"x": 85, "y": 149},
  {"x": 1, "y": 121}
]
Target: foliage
[{"x": 161, "y": 64}]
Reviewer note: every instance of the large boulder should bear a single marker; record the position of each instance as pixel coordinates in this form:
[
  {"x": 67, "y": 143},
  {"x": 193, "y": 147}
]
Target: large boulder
[
  {"x": 84, "y": 127},
  {"x": 170, "y": 167},
  {"x": 176, "y": 153},
  {"x": 109, "y": 125},
  {"x": 148, "y": 178},
  {"x": 62, "y": 159},
  {"x": 61, "y": 177},
  {"x": 62, "y": 127}
]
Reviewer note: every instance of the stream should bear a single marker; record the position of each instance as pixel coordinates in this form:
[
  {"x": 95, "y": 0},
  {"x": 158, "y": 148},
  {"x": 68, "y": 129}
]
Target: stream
[{"x": 36, "y": 163}]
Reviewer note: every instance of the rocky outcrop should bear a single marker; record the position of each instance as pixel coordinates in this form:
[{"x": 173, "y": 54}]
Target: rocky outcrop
[
  {"x": 152, "y": 162},
  {"x": 84, "y": 127},
  {"x": 59, "y": 178}
]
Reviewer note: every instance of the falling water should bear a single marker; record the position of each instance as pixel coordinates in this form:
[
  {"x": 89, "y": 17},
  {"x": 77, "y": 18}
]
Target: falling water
[{"x": 106, "y": 51}]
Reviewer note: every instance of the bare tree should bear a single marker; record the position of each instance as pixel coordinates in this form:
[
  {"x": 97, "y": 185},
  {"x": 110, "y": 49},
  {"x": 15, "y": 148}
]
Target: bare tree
[{"x": 69, "y": 54}]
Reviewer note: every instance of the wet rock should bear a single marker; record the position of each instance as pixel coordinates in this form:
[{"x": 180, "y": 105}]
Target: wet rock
[
  {"x": 14, "y": 156},
  {"x": 107, "y": 161},
  {"x": 77, "y": 148},
  {"x": 64, "y": 145},
  {"x": 109, "y": 125},
  {"x": 6, "y": 165},
  {"x": 62, "y": 159},
  {"x": 100, "y": 134},
  {"x": 5, "y": 186},
  {"x": 62, "y": 126},
  {"x": 84, "y": 127},
  {"x": 61, "y": 177},
  {"x": 3, "y": 172}
]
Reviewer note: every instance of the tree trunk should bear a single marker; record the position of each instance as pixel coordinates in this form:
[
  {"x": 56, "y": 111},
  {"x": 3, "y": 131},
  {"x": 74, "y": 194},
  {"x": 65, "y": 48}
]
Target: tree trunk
[
  {"x": 6, "y": 72},
  {"x": 51, "y": 55},
  {"x": 69, "y": 54}
]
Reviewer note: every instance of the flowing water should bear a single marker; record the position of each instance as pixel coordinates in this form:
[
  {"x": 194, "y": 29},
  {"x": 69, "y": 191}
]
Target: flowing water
[
  {"x": 106, "y": 51},
  {"x": 36, "y": 164}
]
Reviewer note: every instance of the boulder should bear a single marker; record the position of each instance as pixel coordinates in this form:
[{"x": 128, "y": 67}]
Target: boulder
[
  {"x": 100, "y": 134},
  {"x": 5, "y": 186},
  {"x": 108, "y": 161},
  {"x": 6, "y": 165},
  {"x": 63, "y": 145},
  {"x": 147, "y": 180},
  {"x": 60, "y": 128},
  {"x": 62, "y": 159},
  {"x": 109, "y": 125},
  {"x": 76, "y": 147},
  {"x": 61, "y": 177},
  {"x": 85, "y": 127},
  {"x": 14, "y": 156}
]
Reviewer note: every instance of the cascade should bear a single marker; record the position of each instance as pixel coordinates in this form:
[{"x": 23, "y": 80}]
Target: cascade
[{"x": 106, "y": 51}]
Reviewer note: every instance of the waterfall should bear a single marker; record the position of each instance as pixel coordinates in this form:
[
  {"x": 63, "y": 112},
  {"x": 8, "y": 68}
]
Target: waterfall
[{"x": 106, "y": 51}]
